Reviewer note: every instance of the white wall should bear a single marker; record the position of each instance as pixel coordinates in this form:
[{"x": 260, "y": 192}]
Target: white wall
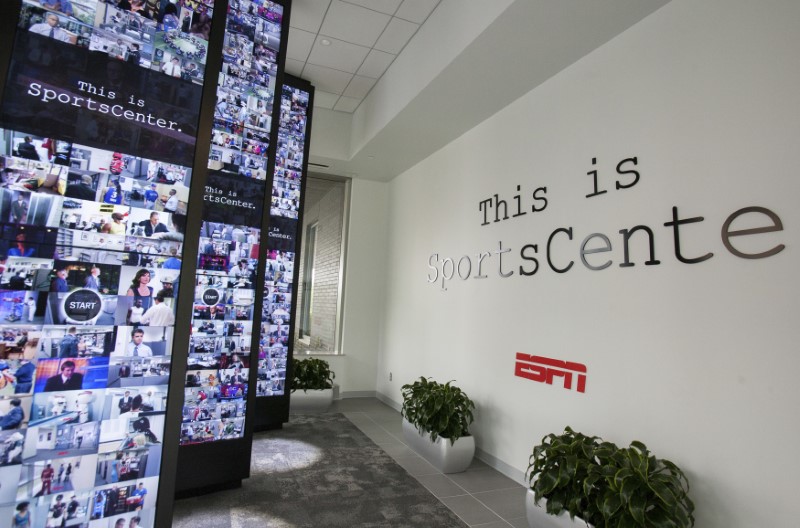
[
  {"x": 696, "y": 360},
  {"x": 365, "y": 277}
]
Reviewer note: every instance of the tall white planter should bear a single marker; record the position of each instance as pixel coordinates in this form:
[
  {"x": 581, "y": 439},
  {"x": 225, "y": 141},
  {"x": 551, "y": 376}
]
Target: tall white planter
[
  {"x": 310, "y": 401},
  {"x": 445, "y": 457},
  {"x": 539, "y": 518}
]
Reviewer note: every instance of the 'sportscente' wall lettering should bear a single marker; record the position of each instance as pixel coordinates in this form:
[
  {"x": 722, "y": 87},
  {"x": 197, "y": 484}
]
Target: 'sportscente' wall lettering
[{"x": 563, "y": 240}]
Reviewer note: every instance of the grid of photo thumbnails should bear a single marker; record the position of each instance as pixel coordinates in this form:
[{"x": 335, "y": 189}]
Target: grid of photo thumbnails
[
  {"x": 90, "y": 255},
  {"x": 220, "y": 352},
  {"x": 170, "y": 36},
  {"x": 280, "y": 274}
]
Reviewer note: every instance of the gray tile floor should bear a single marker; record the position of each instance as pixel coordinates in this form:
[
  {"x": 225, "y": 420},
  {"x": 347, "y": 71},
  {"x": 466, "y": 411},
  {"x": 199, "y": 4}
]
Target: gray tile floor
[{"x": 481, "y": 496}]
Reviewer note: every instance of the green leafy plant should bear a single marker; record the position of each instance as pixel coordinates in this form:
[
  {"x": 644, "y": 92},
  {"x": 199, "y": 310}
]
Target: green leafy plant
[
  {"x": 608, "y": 486},
  {"x": 312, "y": 374},
  {"x": 558, "y": 471},
  {"x": 438, "y": 409}
]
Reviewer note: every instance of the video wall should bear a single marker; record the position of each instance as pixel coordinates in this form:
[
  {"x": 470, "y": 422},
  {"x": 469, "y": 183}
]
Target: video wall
[
  {"x": 96, "y": 147},
  {"x": 220, "y": 355},
  {"x": 280, "y": 277}
]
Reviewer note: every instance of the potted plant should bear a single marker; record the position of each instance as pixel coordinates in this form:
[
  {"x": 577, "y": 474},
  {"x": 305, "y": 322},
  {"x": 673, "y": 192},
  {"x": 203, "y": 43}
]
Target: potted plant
[
  {"x": 312, "y": 385},
  {"x": 601, "y": 485},
  {"x": 436, "y": 420}
]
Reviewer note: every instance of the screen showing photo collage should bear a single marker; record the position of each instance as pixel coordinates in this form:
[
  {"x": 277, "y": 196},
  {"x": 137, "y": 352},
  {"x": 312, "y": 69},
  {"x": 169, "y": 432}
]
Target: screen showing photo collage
[
  {"x": 170, "y": 37},
  {"x": 222, "y": 332},
  {"x": 90, "y": 257},
  {"x": 290, "y": 153},
  {"x": 246, "y": 89},
  {"x": 276, "y": 318}
]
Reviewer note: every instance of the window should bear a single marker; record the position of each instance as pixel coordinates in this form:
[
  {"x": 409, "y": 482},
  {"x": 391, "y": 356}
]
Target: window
[{"x": 321, "y": 277}]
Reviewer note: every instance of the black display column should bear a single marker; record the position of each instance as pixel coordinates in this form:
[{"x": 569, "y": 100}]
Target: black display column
[
  {"x": 276, "y": 340},
  {"x": 216, "y": 422}
]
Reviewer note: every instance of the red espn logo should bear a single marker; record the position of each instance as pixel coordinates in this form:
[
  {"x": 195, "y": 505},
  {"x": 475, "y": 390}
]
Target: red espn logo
[{"x": 543, "y": 370}]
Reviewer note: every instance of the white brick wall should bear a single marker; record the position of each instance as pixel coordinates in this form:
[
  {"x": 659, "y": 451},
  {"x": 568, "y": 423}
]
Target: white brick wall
[{"x": 325, "y": 206}]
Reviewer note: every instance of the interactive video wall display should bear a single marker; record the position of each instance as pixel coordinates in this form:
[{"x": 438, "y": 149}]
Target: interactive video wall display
[
  {"x": 280, "y": 277},
  {"x": 220, "y": 355},
  {"x": 98, "y": 129}
]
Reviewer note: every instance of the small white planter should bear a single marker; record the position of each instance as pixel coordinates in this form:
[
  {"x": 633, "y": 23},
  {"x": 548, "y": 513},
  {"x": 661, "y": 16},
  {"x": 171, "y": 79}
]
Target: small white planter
[
  {"x": 445, "y": 457},
  {"x": 312, "y": 401},
  {"x": 539, "y": 518}
]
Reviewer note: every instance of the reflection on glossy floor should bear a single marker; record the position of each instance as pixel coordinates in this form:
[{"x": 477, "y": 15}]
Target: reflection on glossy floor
[{"x": 481, "y": 496}]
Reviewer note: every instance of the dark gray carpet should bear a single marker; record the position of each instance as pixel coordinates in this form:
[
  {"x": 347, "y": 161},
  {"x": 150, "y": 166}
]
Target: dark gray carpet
[{"x": 319, "y": 471}]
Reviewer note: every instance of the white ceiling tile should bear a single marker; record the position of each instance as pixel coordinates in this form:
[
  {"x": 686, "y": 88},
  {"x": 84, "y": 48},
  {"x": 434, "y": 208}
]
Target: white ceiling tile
[
  {"x": 396, "y": 35},
  {"x": 352, "y": 23},
  {"x": 326, "y": 79},
  {"x": 384, "y": 6},
  {"x": 375, "y": 64},
  {"x": 338, "y": 55},
  {"x": 415, "y": 10},
  {"x": 347, "y": 104},
  {"x": 359, "y": 87},
  {"x": 325, "y": 99},
  {"x": 300, "y": 43},
  {"x": 308, "y": 14},
  {"x": 295, "y": 67}
]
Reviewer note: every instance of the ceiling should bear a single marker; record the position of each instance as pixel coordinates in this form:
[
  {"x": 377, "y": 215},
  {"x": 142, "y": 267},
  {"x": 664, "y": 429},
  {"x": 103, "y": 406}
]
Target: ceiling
[
  {"x": 403, "y": 78},
  {"x": 344, "y": 46}
]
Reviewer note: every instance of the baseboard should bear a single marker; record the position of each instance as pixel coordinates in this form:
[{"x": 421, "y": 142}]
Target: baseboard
[
  {"x": 388, "y": 401},
  {"x": 511, "y": 472},
  {"x": 492, "y": 461},
  {"x": 354, "y": 394}
]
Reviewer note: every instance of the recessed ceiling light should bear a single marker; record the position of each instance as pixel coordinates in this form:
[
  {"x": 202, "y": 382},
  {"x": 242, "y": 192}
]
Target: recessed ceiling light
[{"x": 325, "y": 42}]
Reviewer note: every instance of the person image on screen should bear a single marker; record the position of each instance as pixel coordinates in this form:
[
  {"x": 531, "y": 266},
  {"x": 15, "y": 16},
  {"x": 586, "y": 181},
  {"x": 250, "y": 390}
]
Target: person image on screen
[
  {"x": 64, "y": 6},
  {"x": 26, "y": 149},
  {"x": 150, "y": 196},
  {"x": 159, "y": 314},
  {"x": 173, "y": 262},
  {"x": 20, "y": 249},
  {"x": 140, "y": 493},
  {"x": 152, "y": 225},
  {"x": 14, "y": 417},
  {"x": 19, "y": 209},
  {"x": 135, "y": 313},
  {"x": 24, "y": 375},
  {"x": 30, "y": 306},
  {"x": 68, "y": 347},
  {"x": 50, "y": 28},
  {"x": 134, "y": 53},
  {"x": 171, "y": 204},
  {"x": 135, "y": 347},
  {"x": 148, "y": 402},
  {"x": 139, "y": 289},
  {"x": 116, "y": 226},
  {"x": 120, "y": 523},
  {"x": 92, "y": 281},
  {"x": 125, "y": 402},
  {"x": 113, "y": 194},
  {"x": 47, "y": 475},
  {"x": 22, "y": 517},
  {"x": 72, "y": 507},
  {"x": 59, "y": 283},
  {"x": 67, "y": 380},
  {"x": 134, "y": 522},
  {"x": 172, "y": 68}
]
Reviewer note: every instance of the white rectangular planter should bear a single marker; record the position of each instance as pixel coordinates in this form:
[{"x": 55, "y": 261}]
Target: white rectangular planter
[
  {"x": 539, "y": 518},
  {"x": 445, "y": 457},
  {"x": 312, "y": 401}
]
